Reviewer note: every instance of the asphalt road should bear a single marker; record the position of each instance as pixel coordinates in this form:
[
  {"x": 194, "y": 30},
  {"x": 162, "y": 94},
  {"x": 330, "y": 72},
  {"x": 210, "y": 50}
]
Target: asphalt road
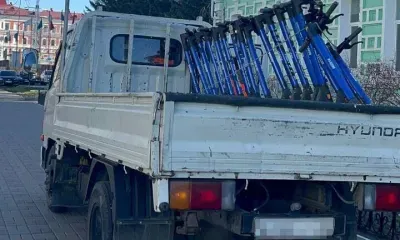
[{"x": 23, "y": 211}]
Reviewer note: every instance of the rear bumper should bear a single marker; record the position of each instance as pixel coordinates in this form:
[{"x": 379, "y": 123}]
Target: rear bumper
[
  {"x": 9, "y": 82},
  {"x": 293, "y": 227}
]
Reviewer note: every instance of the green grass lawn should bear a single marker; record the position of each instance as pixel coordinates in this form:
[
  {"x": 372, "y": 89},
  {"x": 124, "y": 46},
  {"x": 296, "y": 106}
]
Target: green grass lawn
[
  {"x": 21, "y": 88},
  {"x": 25, "y": 91}
]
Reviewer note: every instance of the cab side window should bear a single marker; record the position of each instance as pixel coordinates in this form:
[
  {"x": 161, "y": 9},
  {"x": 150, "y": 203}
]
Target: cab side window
[{"x": 146, "y": 50}]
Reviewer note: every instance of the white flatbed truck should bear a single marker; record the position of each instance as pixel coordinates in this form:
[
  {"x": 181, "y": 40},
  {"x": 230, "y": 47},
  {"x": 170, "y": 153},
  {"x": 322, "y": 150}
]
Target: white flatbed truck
[{"x": 153, "y": 161}]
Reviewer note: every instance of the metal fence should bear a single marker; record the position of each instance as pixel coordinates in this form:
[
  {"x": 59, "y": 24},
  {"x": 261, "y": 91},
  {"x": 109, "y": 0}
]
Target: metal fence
[{"x": 384, "y": 225}]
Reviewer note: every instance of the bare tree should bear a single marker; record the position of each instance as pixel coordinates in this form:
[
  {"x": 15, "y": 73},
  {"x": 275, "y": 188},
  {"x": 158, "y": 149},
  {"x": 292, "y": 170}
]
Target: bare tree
[
  {"x": 273, "y": 85},
  {"x": 381, "y": 82}
]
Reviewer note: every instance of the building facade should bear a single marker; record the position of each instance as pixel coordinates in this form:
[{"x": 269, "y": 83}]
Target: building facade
[
  {"x": 18, "y": 31},
  {"x": 380, "y": 20}
]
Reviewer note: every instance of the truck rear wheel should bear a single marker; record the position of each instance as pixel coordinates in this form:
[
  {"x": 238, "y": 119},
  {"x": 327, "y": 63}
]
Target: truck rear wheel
[{"x": 99, "y": 212}]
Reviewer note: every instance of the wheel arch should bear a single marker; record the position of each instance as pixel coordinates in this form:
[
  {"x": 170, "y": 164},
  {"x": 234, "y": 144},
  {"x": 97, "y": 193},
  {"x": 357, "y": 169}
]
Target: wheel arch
[
  {"x": 99, "y": 171},
  {"x": 102, "y": 169}
]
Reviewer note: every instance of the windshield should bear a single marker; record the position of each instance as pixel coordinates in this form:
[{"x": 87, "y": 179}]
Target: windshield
[{"x": 8, "y": 73}]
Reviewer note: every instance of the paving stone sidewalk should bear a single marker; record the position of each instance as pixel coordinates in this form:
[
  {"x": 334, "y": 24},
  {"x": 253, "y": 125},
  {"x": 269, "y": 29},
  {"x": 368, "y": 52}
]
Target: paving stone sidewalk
[{"x": 23, "y": 211}]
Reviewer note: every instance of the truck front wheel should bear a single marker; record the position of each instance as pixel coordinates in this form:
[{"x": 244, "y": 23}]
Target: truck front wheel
[{"x": 99, "y": 214}]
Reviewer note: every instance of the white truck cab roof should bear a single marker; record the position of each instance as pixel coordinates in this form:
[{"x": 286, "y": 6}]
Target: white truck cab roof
[{"x": 99, "y": 47}]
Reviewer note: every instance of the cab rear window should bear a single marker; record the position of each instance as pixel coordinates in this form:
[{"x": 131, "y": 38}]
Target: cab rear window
[{"x": 146, "y": 50}]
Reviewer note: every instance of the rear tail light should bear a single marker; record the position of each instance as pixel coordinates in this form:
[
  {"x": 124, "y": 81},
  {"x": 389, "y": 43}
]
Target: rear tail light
[
  {"x": 202, "y": 195},
  {"x": 382, "y": 197}
]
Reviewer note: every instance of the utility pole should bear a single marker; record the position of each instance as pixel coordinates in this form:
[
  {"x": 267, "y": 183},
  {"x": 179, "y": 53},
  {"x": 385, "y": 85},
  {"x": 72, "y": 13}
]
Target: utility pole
[
  {"x": 36, "y": 45},
  {"x": 64, "y": 44},
  {"x": 37, "y": 16}
]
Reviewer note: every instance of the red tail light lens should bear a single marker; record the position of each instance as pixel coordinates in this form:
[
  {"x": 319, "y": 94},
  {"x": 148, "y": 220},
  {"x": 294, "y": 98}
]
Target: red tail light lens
[
  {"x": 206, "y": 196},
  {"x": 201, "y": 195},
  {"x": 387, "y": 198}
]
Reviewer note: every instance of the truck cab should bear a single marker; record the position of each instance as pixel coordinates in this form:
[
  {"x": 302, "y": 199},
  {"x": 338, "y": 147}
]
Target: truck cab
[{"x": 124, "y": 135}]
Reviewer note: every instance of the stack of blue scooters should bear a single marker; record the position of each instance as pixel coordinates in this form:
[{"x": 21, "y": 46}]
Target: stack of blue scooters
[{"x": 215, "y": 70}]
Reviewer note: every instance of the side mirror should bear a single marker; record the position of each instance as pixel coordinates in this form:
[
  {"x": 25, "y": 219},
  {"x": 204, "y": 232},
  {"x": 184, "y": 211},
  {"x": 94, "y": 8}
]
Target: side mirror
[{"x": 30, "y": 60}]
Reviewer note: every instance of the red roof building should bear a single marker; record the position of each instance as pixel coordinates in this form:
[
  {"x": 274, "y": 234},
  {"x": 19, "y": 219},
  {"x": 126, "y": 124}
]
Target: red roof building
[{"x": 17, "y": 34}]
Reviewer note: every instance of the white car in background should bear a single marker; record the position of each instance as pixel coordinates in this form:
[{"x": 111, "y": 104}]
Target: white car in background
[{"x": 45, "y": 76}]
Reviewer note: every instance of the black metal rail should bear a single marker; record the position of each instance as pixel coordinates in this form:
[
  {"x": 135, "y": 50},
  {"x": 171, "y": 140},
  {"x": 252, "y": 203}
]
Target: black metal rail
[
  {"x": 383, "y": 225},
  {"x": 41, "y": 96}
]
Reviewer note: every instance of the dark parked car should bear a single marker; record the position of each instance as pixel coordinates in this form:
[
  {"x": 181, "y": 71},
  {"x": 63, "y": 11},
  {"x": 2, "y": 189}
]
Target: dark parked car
[
  {"x": 9, "y": 77},
  {"x": 25, "y": 77}
]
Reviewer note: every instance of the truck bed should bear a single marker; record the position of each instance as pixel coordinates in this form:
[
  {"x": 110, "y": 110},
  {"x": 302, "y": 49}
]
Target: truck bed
[{"x": 184, "y": 135}]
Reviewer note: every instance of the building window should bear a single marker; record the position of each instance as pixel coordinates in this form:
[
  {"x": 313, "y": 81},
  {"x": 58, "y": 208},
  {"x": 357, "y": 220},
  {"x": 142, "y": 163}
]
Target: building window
[
  {"x": 53, "y": 42},
  {"x": 378, "y": 42},
  {"x": 380, "y": 14},
  {"x": 371, "y": 42},
  {"x": 229, "y": 13},
  {"x": 364, "y": 16},
  {"x": 398, "y": 10},
  {"x": 372, "y": 29},
  {"x": 372, "y": 3},
  {"x": 44, "y": 42},
  {"x": 2, "y": 25},
  {"x": 145, "y": 51},
  {"x": 355, "y": 11},
  {"x": 258, "y": 7},
  {"x": 354, "y": 51},
  {"x": 398, "y": 46},
  {"x": 371, "y": 56},
  {"x": 249, "y": 10},
  {"x": 372, "y": 15},
  {"x": 7, "y": 26},
  {"x": 270, "y": 3},
  {"x": 241, "y": 10},
  {"x": 24, "y": 41}
]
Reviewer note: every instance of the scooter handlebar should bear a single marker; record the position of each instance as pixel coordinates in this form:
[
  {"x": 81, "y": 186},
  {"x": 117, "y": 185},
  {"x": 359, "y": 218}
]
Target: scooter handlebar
[
  {"x": 331, "y": 9},
  {"x": 346, "y": 43},
  {"x": 354, "y": 34}
]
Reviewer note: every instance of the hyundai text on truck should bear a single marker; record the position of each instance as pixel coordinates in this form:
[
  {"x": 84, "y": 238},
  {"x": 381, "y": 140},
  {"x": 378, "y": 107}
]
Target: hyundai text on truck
[{"x": 123, "y": 135}]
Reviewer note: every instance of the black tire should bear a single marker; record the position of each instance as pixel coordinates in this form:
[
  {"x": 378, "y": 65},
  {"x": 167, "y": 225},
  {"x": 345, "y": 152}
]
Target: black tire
[
  {"x": 100, "y": 225},
  {"x": 50, "y": 167}
]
